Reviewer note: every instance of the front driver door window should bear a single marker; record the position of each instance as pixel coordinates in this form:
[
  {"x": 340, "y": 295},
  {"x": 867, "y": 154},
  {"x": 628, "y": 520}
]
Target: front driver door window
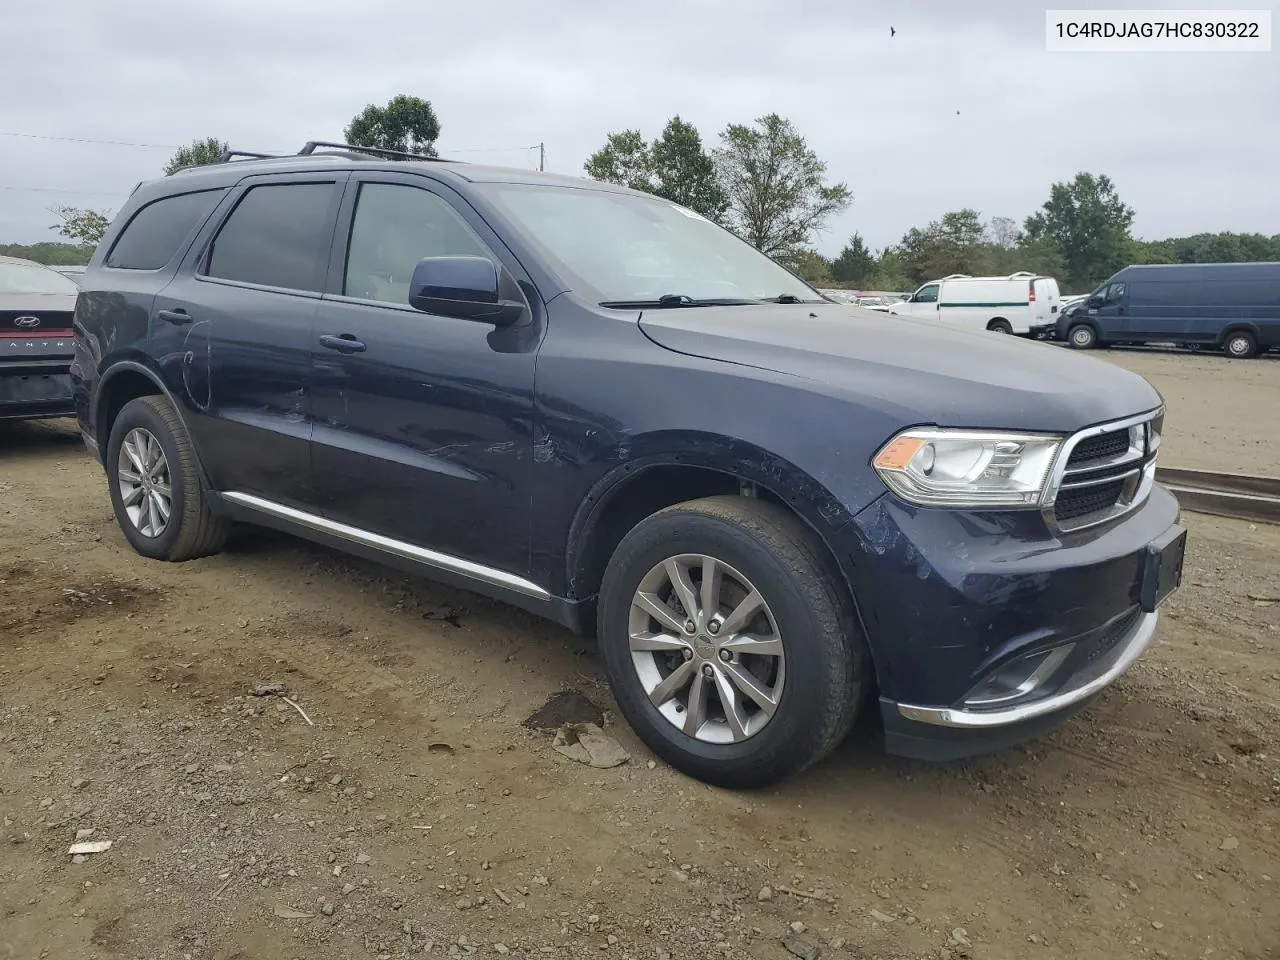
[
  {"x": 394, "y": 227},
  {"x": 927, "y": 294}
]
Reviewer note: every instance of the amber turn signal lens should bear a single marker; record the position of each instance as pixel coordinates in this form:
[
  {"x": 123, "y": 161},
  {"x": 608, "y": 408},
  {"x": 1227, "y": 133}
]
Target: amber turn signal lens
[{"x": 898, "y": 454}]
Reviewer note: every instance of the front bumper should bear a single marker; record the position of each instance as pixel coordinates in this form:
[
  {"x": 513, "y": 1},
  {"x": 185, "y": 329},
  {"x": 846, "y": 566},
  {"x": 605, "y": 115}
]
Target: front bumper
[
  {"x": 986, "y": 629},
  {"x": 36, "y": 389},
  {"x": 950, "y": 733}
]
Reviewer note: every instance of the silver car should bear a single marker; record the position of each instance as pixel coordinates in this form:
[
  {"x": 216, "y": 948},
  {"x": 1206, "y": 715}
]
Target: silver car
[{"x": 36, "y": 306}]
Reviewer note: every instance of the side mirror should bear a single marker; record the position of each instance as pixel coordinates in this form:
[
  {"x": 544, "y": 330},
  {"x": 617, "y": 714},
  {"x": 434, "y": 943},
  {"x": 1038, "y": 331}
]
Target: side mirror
[
  {"x": 467, "y": 288},
  {"x": 1093, "y": 303}
]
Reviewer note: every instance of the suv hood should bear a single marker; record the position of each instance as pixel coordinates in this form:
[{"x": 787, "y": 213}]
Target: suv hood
[{"x": 914, "y": 371}]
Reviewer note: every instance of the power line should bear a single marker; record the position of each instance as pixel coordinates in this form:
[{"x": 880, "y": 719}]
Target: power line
[
  {"x": 86, "y": 193},
  {"x": 114, "y": 143}
]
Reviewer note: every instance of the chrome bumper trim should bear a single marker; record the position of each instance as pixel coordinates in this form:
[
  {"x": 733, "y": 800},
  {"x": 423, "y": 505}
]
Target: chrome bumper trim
[{"x": 1138, "y": 641}]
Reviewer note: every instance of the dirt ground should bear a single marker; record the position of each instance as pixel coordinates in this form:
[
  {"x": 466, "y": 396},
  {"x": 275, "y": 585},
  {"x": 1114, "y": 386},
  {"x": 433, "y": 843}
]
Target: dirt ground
[
  {"x": 1220, "y": 411},
  {"x": 418, "y": 816}
]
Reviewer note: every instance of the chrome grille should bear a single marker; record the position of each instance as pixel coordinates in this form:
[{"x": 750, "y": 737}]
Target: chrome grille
[{"x": 1104, "y": 472}]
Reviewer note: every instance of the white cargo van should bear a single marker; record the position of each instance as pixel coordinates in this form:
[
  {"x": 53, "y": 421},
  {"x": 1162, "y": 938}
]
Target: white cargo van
[{"x": 1021, "y": 303}]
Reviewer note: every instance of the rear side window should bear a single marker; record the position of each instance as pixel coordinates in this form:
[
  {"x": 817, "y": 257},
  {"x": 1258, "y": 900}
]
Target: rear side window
[
  {"x": 276, "y": 237},
  {"x": 152, "y": 237}
]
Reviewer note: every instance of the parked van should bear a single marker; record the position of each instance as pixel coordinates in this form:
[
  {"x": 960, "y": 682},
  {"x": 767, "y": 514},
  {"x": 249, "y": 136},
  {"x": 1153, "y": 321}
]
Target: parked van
[
  {"x": 1234, "y": 307},
  {"x": 1021, "y": 303}
]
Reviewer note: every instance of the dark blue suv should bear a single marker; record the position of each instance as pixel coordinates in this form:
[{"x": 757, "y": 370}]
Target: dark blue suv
[{"x": 773, "y": 511}]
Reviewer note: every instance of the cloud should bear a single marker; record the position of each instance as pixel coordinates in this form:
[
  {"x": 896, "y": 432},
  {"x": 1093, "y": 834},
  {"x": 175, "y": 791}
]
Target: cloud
[{"x": 1186, "y": 137}]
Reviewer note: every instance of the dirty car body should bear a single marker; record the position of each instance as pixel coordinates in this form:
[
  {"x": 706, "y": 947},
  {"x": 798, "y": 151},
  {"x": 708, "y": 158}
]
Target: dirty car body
[{"x": 983, "y": 508}]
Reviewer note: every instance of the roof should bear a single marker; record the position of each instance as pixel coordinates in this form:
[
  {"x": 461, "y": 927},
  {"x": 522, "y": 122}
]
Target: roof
[{"x": 231, "y": 170}]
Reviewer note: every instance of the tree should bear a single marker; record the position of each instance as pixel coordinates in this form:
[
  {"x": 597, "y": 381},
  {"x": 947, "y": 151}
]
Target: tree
[
  {"x": 82, "y": 225},
  {"x": 776, "y": 186},
  {"x": 855, "y": 263},
  {"x": 1003, "y": 233},
  {"x": 406, "y": 124},
  {"x": 1088, "y": 224},
  {"x": 953, "y": 244},
  {"x": 51, "y": 252},
  {"x": 201, "y": 152},
  {"x": 809, "y": 265},
  {"x": 683, "y": 172},
  {"x": 624, "y": 160}
]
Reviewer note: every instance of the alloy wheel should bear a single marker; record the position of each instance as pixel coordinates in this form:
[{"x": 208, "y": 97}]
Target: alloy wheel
[
  {"x": 146, "y": 490},
  {"x": 707, "y": 649}
]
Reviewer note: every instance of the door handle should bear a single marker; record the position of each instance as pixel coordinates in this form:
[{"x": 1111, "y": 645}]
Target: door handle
[
  {"x": 178, "y": 316},
  {"x": 346, "y": 343}
]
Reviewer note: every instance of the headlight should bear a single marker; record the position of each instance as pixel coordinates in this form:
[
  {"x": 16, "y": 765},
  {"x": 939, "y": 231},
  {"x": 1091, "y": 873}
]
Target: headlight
[{"x": 962, "y": 468}]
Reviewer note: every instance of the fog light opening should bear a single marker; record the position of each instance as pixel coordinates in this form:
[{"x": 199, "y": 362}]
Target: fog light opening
[{"x": 1018, "y": 679}]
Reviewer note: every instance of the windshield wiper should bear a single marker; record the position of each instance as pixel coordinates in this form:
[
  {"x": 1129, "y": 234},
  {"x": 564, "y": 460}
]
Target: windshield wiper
[
  {"x": 787, "y": 298},
  {"x": 671, "y": 300}
]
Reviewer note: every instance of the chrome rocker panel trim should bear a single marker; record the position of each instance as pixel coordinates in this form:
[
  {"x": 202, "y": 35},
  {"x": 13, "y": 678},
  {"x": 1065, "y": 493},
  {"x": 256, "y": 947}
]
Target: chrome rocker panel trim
[{"x": 408, "y": 551}]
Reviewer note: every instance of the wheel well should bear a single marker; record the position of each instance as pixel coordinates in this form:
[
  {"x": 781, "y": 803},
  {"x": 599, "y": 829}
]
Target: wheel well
[
  {"x": 116, "y": 392},
  {"x": 626, "y": 504},
  {"x": 1238, "y": 328},
  {"x": 994, "y": 320},
  {"x": 642, "y": 495},
  {"x": 645, "y": 493}
]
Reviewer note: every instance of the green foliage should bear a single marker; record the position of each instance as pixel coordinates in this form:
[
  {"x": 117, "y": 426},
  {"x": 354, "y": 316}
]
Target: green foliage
[
  {"x": 200, "y": 153},
  {"x": 624, "y": 160},
  {"x": 683, "y": 172},
  {"x": 82, "y": 225},
  {"x": 53, "y": 253},
  {"x": 1088, "y": 224},
  {"x": 1210, "y": 248},
  {"x": 954, "y": 244},
  {"x": 406, "y": 124},
  {"x": 674, "y": 167},
  {"x": 776, "y": 186},
  {"x": 889, "y": 273},
  {"x": 855, "y": 264},
  {"x": 809, "y": 265}
]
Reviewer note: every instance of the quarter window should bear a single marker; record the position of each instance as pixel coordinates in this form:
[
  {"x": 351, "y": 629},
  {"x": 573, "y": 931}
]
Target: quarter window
[
  {"x": 156, "y": 231},
  {"x": 394, "y": 227},
  {"x": 275, "y": 237}
]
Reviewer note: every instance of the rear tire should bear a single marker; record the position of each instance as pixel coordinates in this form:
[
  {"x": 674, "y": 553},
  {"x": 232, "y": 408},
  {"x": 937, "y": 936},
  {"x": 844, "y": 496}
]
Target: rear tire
[
  {"x": 1000, "y": 326},
  {"x": 1082, "y": 337},
  {"x": 1240, "y": 345},
  {"x": 816, "y": 678},
  {"x": 166, "y": 515}
]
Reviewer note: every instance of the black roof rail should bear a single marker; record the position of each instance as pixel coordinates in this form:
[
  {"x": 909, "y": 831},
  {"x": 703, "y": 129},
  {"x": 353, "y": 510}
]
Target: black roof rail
[
  {"x": 309, "y": 148},
  {"x": 228, "y": 155}
]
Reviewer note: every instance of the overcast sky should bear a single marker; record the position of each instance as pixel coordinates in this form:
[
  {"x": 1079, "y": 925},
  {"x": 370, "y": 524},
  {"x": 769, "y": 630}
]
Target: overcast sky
[{"x": 1191, "y": 140}]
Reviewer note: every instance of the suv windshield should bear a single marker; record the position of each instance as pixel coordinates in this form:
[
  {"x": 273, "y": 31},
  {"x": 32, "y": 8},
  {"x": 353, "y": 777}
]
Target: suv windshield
[
  {"x": 30, "y": 278},
  {"x": 621, "y": 248}
]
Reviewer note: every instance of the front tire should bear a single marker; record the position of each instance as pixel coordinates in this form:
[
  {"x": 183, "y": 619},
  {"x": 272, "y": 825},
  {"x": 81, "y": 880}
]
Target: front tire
[
  {"x": 1000, "y": 326},
  {"x": 730, "y": 642},
  {"x": 155, "y": 484},
  {"x": 1240, "y": 345},
  {"x": 1082, "y": 337}
]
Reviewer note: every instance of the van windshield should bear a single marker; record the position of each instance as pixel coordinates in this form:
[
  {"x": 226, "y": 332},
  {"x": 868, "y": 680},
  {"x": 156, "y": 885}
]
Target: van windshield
[{"x": 622, "y": 248}]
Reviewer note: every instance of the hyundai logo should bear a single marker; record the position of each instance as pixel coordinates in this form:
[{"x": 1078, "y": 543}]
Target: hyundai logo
[{"x": 27, "y": 321}]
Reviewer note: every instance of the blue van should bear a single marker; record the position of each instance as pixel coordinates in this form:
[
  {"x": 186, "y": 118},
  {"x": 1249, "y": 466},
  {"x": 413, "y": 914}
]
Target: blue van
[{"x": 1233, "y": 307}]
